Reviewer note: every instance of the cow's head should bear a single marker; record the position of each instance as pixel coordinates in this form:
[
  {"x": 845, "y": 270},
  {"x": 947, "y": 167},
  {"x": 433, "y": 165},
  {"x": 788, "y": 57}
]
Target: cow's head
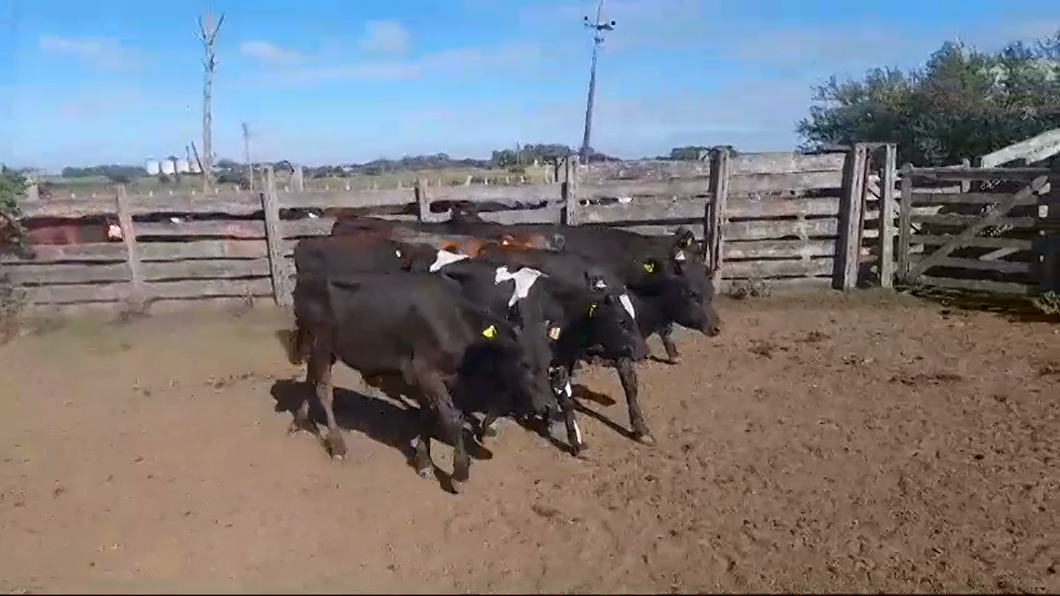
[
  {"x": 611, "y": 318},
  {"x": 518, "y": 364},
  {"x": 682, "y": 282}
]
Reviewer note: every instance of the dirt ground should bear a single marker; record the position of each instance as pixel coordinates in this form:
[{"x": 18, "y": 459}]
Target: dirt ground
[{"x": 821, "y": 444}]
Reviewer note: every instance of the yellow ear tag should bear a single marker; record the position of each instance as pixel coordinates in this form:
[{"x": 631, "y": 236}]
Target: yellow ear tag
[
  {"x": 649, "y": 267},
  {"x": 689, "y": 243},
  {"x": 489, "y": 332},
  {"x": 592, "y": 309},
  {"x": 553, "y": 333}
]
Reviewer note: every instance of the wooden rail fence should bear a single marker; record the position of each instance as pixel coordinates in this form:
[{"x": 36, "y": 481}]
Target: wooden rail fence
[{"x": 788, "y": 220}]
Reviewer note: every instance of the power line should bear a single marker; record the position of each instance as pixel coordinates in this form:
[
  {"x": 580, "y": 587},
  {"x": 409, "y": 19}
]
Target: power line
[{"x": 599, "y": 29}]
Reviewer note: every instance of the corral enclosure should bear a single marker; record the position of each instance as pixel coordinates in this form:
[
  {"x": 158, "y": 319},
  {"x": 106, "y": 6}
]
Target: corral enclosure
[
  {"x": 780, "y": 216},
  {"x": 778, "y": 220}
]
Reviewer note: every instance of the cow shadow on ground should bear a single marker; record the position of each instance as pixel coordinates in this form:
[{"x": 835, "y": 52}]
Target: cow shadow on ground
[
  {"x": 381, "y": 420},
  {"x": 583, "y": 393}
]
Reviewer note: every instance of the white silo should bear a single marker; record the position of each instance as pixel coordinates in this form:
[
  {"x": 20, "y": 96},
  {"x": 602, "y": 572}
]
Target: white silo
[
  {"x": 168, "y": 167},
  {"x": 182, "y": 166}
]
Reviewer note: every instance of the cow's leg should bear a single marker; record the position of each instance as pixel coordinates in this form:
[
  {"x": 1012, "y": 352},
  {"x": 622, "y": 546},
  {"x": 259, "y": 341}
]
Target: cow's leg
[
  {"x": 452, "y": 424},
  {"x": 668, "y": 344},
  {"x": 565, "y": 398},
  {"x": 424, "y": 462},
  {"x": 323, "y": 365},
  {"x": 301, "y": 420},
  {"x": 627, "y": 374},
  {"x": 488, "y": 427}
]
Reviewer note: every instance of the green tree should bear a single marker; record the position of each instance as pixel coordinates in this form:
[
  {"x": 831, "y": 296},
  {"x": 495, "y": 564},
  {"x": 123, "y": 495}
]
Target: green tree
[
  {"x": 962, "y": 104},
  {"x": 12, "y": 189}
]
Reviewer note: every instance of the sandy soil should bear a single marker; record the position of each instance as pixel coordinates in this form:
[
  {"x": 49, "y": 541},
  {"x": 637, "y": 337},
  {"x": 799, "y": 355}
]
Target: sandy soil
[{"x": 818, "y": 445}]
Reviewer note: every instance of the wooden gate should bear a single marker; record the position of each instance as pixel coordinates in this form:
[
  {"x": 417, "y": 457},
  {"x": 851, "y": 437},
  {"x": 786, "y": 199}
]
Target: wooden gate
[{"x": 976, "y": 229}]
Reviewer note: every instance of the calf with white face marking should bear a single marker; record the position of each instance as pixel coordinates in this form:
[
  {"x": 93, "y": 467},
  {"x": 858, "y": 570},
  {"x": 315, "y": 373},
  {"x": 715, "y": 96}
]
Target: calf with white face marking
[{"x": 601, "y": 319}]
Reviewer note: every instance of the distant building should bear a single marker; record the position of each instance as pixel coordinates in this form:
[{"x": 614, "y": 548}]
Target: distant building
[
  {"x": 152, "y": 167},
  {"x": 168, "y": 167}
]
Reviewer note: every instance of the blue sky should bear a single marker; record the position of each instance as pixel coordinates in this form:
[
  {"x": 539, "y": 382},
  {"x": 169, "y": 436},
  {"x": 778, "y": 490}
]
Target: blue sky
[{"x": 324, "y": 81}]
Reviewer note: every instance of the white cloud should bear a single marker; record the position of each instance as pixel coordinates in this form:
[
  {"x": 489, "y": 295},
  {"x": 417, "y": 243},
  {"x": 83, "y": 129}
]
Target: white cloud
[
  {"x": 266, "y": 52},
  {"x": 385, "y": 37},
  {"x": 102, "y": 52}
]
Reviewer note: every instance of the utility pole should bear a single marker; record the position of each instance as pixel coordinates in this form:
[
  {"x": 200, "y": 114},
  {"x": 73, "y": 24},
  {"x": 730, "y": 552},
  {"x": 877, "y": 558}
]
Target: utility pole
[
  {"x": 246, "y": 156},
  {"x": 207, "y": 37},
  {"x": 599, "y": 28}
]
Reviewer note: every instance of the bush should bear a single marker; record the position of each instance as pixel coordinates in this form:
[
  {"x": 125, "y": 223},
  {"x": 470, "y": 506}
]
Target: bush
[{"x": 12, "y": 239}]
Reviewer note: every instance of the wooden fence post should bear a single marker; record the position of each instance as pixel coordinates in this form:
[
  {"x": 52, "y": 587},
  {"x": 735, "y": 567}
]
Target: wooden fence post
[
  {"x": 570, "y": 191},
  {"x": 1050, "y": 230},
  {"x": 298, "y": 179},
  {"x": 138, "y": 295},
  {"x": 716, "y": 217},
  {"x": 905, "y": 225},
  {"x": 270, "y": 205},
  {"x": 851, "y": 212},
  {"x": 423, "y": 201},
  {"x": 887, "y": 214}
]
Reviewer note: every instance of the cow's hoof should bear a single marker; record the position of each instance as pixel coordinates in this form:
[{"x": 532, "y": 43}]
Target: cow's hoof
[
  {"x": 580, "y": 453},
  {"x": 338, "y": 458},
  {"x": 456, "y": 485},
  {"x": 673, "y": 360},
  {"x": 425, "y": 472},
  {"x": 336, "y": 446},
  {"x": 488, "y": 431},
  {"x": 645, "y": 439}
]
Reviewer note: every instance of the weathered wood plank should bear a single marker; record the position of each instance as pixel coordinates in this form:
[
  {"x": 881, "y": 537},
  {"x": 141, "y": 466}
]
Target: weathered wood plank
[
  {"x": 666, "y": 189},
  {"x": 886, "y": 212},
  {"x": 978, "y": 265},
  {"x": 101, "y": 251},
  {"x": 203, "y": 249},
  {"x": 978, "y": 285},
  {"x": 773, "y": 249},
  {"x": 208, "y": 269},
  {"x": 962, "y": 173},
  {"x": 231, "y": 203},
  {"x": 766, "y": 230},
  {"x": 758, "y": 183},
  {"x": 222, "y": 228},
  {"x": 646, "y": 169},
  {"x": 851, "y": 220},
  {"x": 1033, "y": 149},
  {"x": 959, "y": 220},
  {"x": 777, "y": 284},
  {"x": 976, "y": 242},
  {"x": 68, "y": 294},
  {"x": 643, "y": 210},
  {"x": 969, "y": 198},
  {"x": 282, "y": 285},
  {"x": 132, "y": 254},
  {"x": 764, "y": 269},
  {"x": 768, "y": 208},
  {"x": 657, "y": 210},
  {"x": 67, "y": 273},
  {"x": 309, "y": 226},
  {"x": 717, "y": 215},
  {"x": 782, "y": 162}
]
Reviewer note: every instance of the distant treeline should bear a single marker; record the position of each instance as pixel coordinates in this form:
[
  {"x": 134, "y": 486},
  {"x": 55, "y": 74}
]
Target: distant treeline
[{"x": 514, "y": 160}]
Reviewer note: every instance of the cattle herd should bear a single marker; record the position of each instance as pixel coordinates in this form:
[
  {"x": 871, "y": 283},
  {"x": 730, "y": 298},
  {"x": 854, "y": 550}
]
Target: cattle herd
[{"x": 472, "y": 318}]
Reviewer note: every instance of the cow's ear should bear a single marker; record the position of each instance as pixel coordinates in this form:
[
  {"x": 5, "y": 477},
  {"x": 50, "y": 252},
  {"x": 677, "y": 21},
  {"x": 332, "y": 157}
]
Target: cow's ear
[{"x": 684, "y": 238}]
